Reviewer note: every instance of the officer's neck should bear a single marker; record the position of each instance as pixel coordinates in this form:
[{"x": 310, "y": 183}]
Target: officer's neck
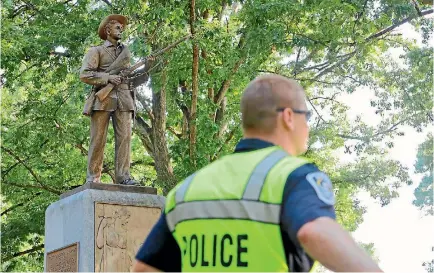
[{"x": 277, "y": 139}]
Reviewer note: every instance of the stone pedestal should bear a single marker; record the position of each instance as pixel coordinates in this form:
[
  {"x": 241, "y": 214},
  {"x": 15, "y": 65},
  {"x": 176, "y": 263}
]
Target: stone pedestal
[{"x": 99, "y": 227}]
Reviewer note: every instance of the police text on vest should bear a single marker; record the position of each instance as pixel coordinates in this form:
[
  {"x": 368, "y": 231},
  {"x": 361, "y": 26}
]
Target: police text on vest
[{"x": 216, "y": 250}]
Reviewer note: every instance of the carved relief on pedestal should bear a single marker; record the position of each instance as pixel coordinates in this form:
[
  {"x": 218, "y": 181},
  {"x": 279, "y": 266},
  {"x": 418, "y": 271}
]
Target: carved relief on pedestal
[{"x": 119, "y": 232}]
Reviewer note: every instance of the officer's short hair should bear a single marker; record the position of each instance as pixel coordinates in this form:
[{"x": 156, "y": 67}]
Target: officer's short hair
[{"x": 263, "y": 96}]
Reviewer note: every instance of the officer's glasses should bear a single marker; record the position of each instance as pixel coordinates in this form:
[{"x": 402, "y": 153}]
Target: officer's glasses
[{"x": 307, "y": 113}]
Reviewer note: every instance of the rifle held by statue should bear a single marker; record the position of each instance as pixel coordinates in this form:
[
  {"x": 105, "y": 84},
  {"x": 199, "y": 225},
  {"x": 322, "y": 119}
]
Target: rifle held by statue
[{"x": 103, "y": 93}]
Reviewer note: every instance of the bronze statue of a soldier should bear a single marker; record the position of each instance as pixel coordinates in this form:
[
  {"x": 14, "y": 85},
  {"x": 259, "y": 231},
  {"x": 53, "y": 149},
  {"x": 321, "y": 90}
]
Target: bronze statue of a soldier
[{"x": 100, "y": 68}]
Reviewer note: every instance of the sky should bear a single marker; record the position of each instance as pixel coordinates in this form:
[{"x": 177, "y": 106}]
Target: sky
[{"x": 403, "y": 236}]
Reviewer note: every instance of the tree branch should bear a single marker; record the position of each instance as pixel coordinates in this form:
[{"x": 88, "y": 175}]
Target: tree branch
[
  {"x": 314, "y": 108},
  {"x": 294, "y": 71},
  {"x": 223, "y": 7},
  {"x": 325, "y": 98},
  {"x": 318, "y": 81},
  {"x": 323, "y": 43},
  {"x": 330, "y": 68},
  {"x": 359, "y": 15},
  {"x": 26, "y": 186},
  {"x": 348, "y": 56},
  {"x": 195, "y": 83},
  {"x": 5, "y": 173},
  {"x": 17, "y": 11},
  {"x": 353, "y": 79},
  {"x": 392, "y": 27},
  {"x": 144, "y": 102},
  {"x": 184, "y": 109},
  {"x": 378, "y": 133},
  {"x": 302, "y": 62},
  {"x": 20, "y": 204},
  {"x": 17, "y": 254},
  {"x": 226, "y": 83},
  {"x": 228, "y": 138},
  {"x": 178, "y": 135},
  {"x": 144, "y": 132},
  {"x": 416, "y": 6},
  {"x": 30, "y": 170},
  {"x": 325, "y": 64},
  {"x": 83, "y": 151}
]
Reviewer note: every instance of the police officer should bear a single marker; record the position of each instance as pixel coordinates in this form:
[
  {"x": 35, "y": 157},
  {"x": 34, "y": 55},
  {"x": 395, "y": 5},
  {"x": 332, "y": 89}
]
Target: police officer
[{"x": 261, "y": 208}]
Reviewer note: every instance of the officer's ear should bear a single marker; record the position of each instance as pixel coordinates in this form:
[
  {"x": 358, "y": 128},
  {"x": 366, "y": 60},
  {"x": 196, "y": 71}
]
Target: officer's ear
[{"x": 288, "y": 119}]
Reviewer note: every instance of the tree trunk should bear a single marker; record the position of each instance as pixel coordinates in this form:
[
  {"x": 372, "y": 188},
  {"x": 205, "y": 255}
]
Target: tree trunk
[
  {"x": 194, "y": 85},
  {"x": 161, "y": 154}
]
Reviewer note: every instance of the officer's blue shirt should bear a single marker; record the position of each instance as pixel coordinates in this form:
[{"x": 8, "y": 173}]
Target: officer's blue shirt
[{"x": 303, "y": 201}]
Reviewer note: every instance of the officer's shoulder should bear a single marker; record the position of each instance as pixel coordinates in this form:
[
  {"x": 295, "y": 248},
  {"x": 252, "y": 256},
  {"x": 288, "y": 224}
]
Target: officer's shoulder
[
  {"x": 170, "y": 198},
  {"x": 304, "y": 168},
  {"x": 180, "y": 183},
  {"x": 311, "y": 176},
  {"x": 304, "y": 171},
  {"x": 174, "y": 189}
]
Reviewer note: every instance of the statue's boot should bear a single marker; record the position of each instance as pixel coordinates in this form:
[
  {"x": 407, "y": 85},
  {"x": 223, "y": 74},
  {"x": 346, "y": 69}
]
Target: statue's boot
[{"x": 129, "y": 182}]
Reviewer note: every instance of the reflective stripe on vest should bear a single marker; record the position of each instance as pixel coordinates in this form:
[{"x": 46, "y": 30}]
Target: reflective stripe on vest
[
  {"x": 257, "y": 178},
  {"x": 224, "y": 209},
  {"x": 180, "y": 193}
]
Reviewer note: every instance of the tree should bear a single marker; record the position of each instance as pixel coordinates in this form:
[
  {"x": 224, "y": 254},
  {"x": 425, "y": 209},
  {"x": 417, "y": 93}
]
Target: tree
[
  {"x": 188, "y": 116},
  {"x": 424, "y": 165},
  {"x": 429, "y": 266}
]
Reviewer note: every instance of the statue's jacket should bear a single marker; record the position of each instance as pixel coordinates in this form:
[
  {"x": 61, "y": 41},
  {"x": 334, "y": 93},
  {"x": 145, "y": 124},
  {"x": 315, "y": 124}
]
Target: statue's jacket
[{"x": 100, "y": 62}]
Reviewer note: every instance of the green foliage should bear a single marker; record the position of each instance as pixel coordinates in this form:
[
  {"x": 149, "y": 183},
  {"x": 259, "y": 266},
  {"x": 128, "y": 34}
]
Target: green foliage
[
  {"x": 429, "y": 266},
  {"x": 424, "y": 165},
  {"x": 331, "y": 47}
]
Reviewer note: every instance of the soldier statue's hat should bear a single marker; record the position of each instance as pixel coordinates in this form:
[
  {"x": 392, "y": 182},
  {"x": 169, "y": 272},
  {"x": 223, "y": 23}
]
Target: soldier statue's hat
[{"x": 101, "y": 29}]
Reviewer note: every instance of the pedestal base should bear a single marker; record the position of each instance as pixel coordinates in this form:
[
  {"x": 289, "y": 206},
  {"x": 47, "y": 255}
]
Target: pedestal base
[{"x": 99, "y": 227}]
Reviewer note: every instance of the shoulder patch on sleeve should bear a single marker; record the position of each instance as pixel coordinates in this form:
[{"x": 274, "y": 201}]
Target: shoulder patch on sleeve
[{"x": 323, "y": 187}]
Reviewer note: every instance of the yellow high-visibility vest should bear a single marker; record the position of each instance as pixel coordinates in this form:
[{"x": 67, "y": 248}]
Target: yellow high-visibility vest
[{"x": 226, "y": 216}]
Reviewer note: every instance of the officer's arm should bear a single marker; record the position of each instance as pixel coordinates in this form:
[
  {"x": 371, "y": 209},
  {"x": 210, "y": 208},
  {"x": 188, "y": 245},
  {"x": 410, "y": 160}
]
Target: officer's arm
[
  {"x": 308, "y": 217},
  {"x": 89, "y": 70},
  {"x": 160, "y": 250},
  {"x": 326, "y": 241},
  {"x": 143, "y": 267}
]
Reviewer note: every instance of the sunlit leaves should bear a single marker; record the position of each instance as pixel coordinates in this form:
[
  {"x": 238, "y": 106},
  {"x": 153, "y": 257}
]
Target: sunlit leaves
[
  {"x": 325, "y": 45},
  {"x": 424, "y": 165}
]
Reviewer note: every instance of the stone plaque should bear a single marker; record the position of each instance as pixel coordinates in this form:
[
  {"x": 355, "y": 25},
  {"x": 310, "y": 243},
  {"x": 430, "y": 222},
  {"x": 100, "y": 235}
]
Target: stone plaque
[
  {"x": 63, "y": 260},
  {"x": 120, "y": 230}
]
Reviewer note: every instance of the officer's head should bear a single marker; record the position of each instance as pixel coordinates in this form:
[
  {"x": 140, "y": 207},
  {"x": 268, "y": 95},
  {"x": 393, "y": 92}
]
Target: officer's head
[{"x": 274, "y": 108}]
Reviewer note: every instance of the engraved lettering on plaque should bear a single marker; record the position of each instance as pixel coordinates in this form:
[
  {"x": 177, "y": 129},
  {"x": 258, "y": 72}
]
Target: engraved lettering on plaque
[
  {"x": 120, "y": 230},
  {"x": 63, "y": 260}
]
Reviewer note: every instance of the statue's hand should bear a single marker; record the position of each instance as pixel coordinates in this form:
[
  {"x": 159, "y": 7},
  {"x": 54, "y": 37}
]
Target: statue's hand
[{"x": 115, "y": 79}]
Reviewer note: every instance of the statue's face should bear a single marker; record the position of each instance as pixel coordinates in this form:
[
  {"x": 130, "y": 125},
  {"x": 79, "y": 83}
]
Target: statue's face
[{"x": 115, "y": 31}]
